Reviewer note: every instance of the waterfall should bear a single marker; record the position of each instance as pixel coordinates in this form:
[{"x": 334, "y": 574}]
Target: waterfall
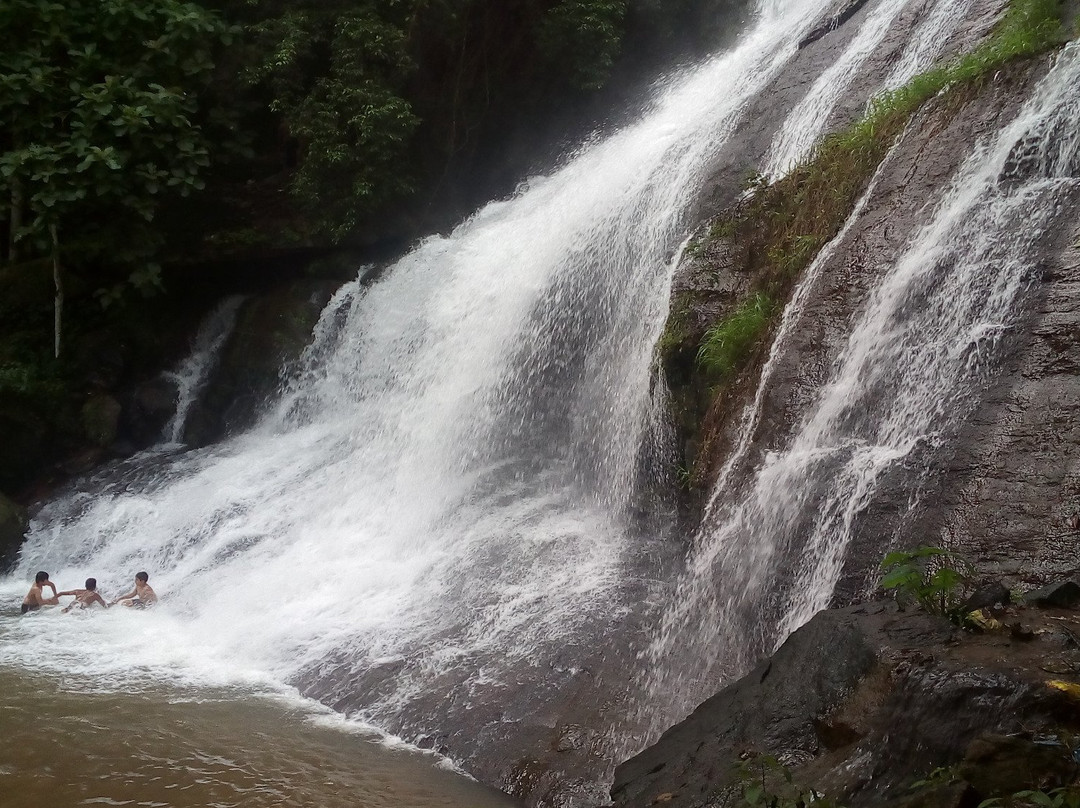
[
  {"x": 441, "y": 525},
  {"x": 191, "y": 374},
  {"x": 927, "y": 41},
  {"x": 435, "y": 528},
  {"x": 804, "y": 127},
  {"x": 766, "y": 560}
]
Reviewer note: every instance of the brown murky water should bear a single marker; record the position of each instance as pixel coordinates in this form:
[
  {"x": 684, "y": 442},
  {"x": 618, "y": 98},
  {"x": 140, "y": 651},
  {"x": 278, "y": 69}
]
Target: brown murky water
[{"x": 62, "y": 746}]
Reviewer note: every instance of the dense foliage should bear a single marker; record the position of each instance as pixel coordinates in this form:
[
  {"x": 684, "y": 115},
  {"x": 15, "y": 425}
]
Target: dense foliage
[
  {"x": 100, "y": 107},
  {"x": 380, "y": 99},
  {"x": 308, "y": 122}
]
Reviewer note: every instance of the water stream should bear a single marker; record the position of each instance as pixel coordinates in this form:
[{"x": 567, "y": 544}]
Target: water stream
[
  {"x": 447, "y": 525},
  {"x": 190, "y": 375},
  {"x": 442, "y": 527},
  {"x": 766, "y": 560}
]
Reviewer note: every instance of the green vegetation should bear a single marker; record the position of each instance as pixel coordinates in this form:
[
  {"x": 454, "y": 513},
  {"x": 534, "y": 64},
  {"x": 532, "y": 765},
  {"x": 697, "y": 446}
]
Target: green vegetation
[
  {"x": 179, "y": 143},
  {"x": 804, "y": 210},
  {"x": 101, "y": 121},
  {"x": 765, "y": 782},
  {"x": 730, "y": 341},
  {"x": 382, "y": 101},
  {"x": 1062, "y": 797},
  {"x": 929, "y": 576}
]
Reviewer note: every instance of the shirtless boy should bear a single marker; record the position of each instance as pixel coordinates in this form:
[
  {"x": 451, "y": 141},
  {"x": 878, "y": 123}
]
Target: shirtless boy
[
  {"x": 84, "y": 598},
  {"x": 35, "y": 598},
  {"x": 141, "y": 596}
]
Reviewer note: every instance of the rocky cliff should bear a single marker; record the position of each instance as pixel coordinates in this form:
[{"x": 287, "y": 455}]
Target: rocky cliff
[{"x": 903, "y": 708}]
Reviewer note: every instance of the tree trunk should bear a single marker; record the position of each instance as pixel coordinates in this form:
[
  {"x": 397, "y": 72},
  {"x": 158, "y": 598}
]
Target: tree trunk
[
  {"x": 15, "y": 222},
  {"x": 58, "y": 301}
]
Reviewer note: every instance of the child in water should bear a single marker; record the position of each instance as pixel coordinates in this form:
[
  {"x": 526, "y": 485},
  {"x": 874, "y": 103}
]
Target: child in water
[
  {"x": 84, "y": 598},
  {"x": 36, "y": 598},
  {"x": 141, "y": 596}
]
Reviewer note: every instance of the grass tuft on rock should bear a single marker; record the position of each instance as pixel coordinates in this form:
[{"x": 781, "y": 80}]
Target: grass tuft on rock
[{"x": 731, "y": 340}]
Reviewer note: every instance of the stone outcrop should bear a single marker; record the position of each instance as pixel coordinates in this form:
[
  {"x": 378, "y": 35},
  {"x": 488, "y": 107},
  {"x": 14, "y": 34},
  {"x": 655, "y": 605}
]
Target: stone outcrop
[
  {"x": 271, "y": 332},
  {"x": 1006, "y": 490},
  {"x": 1009, "y": 493},
  {"x": 862, "y": 702}
]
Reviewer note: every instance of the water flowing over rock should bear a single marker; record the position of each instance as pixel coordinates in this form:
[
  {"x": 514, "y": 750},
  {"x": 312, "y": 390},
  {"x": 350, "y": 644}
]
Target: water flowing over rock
[
  {"x": 442, "y": 500},
  {"x": 840, "y": 440}
]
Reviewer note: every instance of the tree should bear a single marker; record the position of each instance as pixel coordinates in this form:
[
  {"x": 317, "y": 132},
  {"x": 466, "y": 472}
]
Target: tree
[
  {"x": 98, "y": 123},
  {"x": 382, "y": 97},
  {"x": 335, "y": 72}
]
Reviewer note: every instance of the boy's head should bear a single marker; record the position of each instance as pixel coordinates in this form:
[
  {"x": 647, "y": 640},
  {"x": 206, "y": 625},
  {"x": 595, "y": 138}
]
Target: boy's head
[
  {"x": 91, "y": 584},
  {"x": 142, "y": 576},
  {"x": 41, "y": 577}
]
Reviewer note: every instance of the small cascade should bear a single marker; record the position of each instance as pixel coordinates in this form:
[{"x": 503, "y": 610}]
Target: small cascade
[
  {"x": 766, "y": 559},
  {"x": 191, "y": 374},
  {"x": 927, "y": 41},
  {"x": 806, "y": 124},
  {"x": 436, "y": 528}
]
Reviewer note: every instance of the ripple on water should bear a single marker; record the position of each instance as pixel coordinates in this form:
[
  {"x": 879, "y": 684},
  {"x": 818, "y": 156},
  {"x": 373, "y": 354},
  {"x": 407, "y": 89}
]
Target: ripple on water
[{"x": 64, "y": 744}]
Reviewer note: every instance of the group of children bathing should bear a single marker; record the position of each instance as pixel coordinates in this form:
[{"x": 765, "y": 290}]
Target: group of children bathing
[{"x": 140, "y": 597}]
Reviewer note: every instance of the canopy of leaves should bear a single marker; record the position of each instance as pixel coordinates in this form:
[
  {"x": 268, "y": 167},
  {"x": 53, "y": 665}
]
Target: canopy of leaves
[
  {"x": 381, "y": 96},
  {"x": 99, "y": 116}
]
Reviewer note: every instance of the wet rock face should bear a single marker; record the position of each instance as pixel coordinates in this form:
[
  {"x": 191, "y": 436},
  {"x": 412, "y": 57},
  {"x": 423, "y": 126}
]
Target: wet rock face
[
  {"x": 12, "y": 530},
  {"x": 862, "y": 702},
  {"x": 271, "y": 331},
  {"x": 147, "y": 410},
  {"x": 100, "y": 419},
  {"x": 1043, "y": 385},
  {"x": 1009, "y": 495},
  {"x": 773, "y": 707}
]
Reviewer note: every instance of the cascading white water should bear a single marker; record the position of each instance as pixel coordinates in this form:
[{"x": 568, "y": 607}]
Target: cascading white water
[
  {"x": 803, "y": 128},
  {"x": 767, "y": 561},
  {"x": 438, "y": 506},
  {"x": 927, "y": 41},
  {"x": 808, "y": 122},
  {"x": 191, "y": 374}
]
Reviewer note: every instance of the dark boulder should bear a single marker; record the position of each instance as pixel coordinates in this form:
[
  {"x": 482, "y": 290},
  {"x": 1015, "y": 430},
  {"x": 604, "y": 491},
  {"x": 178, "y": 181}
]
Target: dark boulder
[
  {"x": 775, "y": 708},
  {"x": 147, "y": 409},
  {"x": 989, "y": 596},
  {"x": 100, "y": 419},
  {"x": 1000, "y": 764},
  {"x": 1061, "y": 595},
  {"x": 861, "y": 704}
]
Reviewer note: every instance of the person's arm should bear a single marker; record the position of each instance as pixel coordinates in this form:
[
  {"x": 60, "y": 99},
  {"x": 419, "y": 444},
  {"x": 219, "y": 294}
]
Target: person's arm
[
  {"x": 69, "y": 592},
  {"x": 130, "y": 594},
  {"x": 51, "y": 586},
  {"x": 101, "y": 600}
]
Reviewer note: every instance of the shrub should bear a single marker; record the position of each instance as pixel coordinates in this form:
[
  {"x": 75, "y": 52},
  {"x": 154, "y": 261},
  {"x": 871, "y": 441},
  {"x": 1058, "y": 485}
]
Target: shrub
[{"x": 930, "y": 576}]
